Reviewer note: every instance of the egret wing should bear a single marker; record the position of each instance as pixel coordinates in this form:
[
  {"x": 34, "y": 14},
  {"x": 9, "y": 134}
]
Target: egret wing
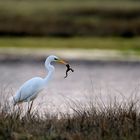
[{"x": 29, "y": 89}]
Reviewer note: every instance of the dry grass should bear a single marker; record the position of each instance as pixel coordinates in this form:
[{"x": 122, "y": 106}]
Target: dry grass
[{"x": 115, "y": 122}]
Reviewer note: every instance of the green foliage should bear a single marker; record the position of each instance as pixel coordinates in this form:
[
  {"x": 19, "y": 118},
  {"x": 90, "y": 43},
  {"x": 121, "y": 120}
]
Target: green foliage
[
  {"x": 115, "y": 43},
  {"x": 70, "y": 18}
]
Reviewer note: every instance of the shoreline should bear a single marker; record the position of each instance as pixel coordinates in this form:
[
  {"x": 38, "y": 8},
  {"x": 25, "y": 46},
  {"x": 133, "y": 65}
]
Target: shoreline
[{"x": 12, "y": 55}]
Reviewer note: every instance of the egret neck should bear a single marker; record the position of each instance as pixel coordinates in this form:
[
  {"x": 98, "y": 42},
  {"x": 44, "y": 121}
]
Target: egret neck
[{"x": 50, "y": 68}]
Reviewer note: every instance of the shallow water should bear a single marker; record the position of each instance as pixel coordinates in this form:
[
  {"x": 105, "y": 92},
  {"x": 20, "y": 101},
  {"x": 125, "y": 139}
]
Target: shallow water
[{"x": 104, "y": 82}]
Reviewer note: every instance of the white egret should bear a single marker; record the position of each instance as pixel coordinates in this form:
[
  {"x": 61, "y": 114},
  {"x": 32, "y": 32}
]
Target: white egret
[{"x": 31, "y": 88}]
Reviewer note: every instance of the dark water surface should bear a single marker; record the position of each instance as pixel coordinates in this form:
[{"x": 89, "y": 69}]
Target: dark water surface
[{"x": 102, "y": 81}]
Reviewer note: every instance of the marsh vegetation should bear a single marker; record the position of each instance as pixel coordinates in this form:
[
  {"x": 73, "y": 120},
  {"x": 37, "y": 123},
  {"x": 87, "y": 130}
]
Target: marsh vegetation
[
  {"x": 70, "y": 18},
  {"x": 114, "y": 122}
]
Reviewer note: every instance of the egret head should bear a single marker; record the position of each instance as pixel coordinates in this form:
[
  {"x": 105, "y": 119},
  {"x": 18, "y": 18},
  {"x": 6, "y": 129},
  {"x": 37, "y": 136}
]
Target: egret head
[{"x": 54, "y": 58}]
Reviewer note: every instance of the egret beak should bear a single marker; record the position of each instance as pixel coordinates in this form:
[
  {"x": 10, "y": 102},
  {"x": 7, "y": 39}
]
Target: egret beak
[{"x": 62, "y": 61}]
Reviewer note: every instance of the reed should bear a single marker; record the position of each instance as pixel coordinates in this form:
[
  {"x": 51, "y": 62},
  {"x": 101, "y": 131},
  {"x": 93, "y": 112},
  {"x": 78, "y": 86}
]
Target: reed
[{"x": 113, "y": 122}]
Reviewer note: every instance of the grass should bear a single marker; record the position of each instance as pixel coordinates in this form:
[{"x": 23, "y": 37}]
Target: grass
[
  {"x": 111, "y": 43},
  {"x": 114, "y": 122},
  {"x": 70, "y": 17},
  {"x": 30, "y": 7}
]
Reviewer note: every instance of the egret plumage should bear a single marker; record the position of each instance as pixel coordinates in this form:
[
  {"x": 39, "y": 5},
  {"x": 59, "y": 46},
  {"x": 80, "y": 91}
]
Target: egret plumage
[{"x": 31, "y": 88}]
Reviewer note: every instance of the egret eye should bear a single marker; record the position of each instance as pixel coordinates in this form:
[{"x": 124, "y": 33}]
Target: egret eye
[{"x": 55, "y": 59}]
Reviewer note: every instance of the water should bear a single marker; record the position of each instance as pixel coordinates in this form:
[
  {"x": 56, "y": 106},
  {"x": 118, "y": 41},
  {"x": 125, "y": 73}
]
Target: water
[{"x": 90, "y": 81}]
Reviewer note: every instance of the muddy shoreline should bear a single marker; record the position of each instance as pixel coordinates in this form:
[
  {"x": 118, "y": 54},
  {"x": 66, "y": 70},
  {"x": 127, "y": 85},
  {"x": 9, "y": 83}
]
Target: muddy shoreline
[
  {"x": 27, "y": 59},
  {"x": 25, "y": 55}
]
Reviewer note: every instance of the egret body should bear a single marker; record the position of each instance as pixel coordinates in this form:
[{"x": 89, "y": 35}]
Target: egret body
[{"x": 31, "y": 88}]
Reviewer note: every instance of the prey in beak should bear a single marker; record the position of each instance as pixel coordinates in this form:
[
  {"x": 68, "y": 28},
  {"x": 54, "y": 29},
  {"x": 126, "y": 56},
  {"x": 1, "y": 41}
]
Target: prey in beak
[
  {"x": 68, "y": 69},
  {"x": 67, "y": 65}
]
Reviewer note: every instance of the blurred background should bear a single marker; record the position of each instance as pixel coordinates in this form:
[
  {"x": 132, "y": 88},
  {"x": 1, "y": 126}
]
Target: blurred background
[{"x": 100, "y": 39}]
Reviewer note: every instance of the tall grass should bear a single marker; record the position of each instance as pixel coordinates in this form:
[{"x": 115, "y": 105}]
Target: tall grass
[{"x": 114, "y": 122}]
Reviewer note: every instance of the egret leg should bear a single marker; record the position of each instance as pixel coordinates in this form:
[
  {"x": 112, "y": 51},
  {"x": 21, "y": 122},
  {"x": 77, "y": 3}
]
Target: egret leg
[
  {"x": 31, "y": 106},
  {"x": 28, "y": 107}
]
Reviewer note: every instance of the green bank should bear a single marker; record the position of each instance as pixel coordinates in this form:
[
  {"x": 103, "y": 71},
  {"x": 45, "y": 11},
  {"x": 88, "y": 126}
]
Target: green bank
[{"x": 113, "y": 43}]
